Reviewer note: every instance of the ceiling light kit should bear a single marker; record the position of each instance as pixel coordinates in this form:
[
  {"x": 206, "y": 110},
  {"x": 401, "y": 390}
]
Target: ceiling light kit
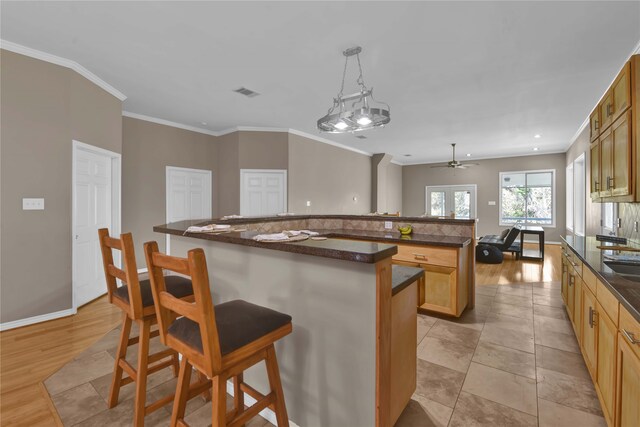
[
  {"x": 359, "y": 115},
  {"x": 535, "y": 148},
  {"x": 537, "y": 136}
]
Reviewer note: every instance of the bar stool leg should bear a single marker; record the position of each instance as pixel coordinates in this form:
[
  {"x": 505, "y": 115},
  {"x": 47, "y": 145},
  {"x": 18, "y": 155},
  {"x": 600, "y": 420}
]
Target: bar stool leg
[
  {"x": 276, "y": 387},
  {"x": 219, "y": 401},
  {"x": 116, "y": 380},
  {"x": 141, "y": 383},
  {"x": 238, "y": 395},
  {"x": 182, "y": 392},
  {"x": 175, "y": 365}
]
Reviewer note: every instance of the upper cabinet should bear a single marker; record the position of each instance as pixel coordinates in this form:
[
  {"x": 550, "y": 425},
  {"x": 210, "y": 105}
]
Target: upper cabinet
[{"x": 614, "y": 151}]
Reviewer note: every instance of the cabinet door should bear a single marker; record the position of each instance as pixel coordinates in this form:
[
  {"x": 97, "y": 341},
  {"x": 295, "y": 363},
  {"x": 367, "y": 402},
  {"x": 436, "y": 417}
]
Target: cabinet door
[
  {"x": 627, "y": 385},
  {"x": 621, "y": 140},
  {"x": 440, "y": 288},
  {"x": 606, "y": 159},
  {"x": 606, "y": 361},
  {"x": 621, "y": 91},
  {"x": 571, "y": 294},
  {"x": 596, "y": 181},
  {"x": 606, "y": 110},
  {"x": 589, "y": 340},
  {"x": 577, "y": 309},
  {"x": 564, "y": 285}
]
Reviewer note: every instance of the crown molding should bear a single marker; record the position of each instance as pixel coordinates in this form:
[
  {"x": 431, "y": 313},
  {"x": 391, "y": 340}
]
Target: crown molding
[
  {"x": 328, "y": 142},
  {"x": 64, "y": 62},
  {"x": 507, "y": 156},
  {"x": 168, "y": 123}
]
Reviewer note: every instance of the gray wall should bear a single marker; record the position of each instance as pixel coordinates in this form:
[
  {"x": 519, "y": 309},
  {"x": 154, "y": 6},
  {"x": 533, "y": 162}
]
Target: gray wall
[
  {"x": 263, "y": 150},
  {"x": 328, "y": 176},
  {"x": 228, "y": 174},
  {"x": 147, "y": 149},
  {"x": 44, "y": 107},
  {"x": 486, "y": 177},
  {"x": 394, "y": 188}
]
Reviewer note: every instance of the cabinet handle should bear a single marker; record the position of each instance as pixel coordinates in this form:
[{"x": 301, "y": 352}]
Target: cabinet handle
[
  {"x": 629, "y": 335},
  {"x": 572, "y": 280},
  {"x": 597, "y": 124},
  {"x": 608, "y": 182},
  {"x": 420, "y": 256},
  {"x": 592, "y": 315},
  {"x": 597, "y": 185},
  {"x": 612, "y": 182}
]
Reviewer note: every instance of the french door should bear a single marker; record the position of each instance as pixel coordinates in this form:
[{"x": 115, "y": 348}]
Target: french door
[{"x": 442, "y": 200}]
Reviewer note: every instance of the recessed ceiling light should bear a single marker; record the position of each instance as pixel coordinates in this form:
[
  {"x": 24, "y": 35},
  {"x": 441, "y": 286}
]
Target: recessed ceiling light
[
  {"x": 537, "y": 136},
  {"x": 203, "y": 123},
  {"x": 535, "y": 148},
  {"x": 468, "y": 154}
]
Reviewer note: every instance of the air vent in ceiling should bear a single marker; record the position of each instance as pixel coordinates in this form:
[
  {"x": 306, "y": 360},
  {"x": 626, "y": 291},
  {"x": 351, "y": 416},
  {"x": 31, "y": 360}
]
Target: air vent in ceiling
[
  {"x": 361, "y": 137},
  {"x": 246, "y": 92}
]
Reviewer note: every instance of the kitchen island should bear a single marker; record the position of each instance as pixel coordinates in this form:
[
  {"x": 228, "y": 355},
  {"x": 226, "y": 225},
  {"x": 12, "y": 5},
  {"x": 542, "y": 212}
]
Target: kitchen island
[{"x": 342, "y": 365}]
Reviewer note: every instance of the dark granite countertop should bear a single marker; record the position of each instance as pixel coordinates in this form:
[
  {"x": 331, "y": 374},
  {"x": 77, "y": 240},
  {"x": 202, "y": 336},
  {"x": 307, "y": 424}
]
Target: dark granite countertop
[
  {"x": 348, "y": 250},
  {"x": 369, "y": 250},
  {"x": 418, "y": 219},
  {"x": 402, "y": 276},
  {"x": 627, "y": 291}
]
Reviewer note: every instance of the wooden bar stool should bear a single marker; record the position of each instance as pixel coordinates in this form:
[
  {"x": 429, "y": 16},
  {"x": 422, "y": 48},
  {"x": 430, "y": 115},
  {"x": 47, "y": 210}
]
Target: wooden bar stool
[
  {"x": 135, "y": 299},
  {"x": 221, "y": 341}
]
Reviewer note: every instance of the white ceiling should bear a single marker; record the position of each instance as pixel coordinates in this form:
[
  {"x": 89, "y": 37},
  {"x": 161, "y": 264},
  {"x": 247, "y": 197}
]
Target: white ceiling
[{"x": 486, "y": 75}]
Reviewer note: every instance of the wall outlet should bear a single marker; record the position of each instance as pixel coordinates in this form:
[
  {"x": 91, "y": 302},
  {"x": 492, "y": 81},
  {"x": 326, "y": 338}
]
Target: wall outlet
[
  {"x": 635, "y": 226},
  {"x": 308, "y": 202},
  {"x": 388, "y": 225},
  {"x": 32, "y": 204},
  {"x": 492, "y": 202}
]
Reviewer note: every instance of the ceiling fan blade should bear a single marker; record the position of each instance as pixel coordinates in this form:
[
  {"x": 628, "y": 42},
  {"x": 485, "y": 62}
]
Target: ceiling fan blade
[
  {"x": 471, "y": 164},
  {"x": 441, "y": 166}
]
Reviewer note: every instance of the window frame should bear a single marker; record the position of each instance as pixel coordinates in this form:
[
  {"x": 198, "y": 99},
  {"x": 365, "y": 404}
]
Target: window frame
[{"x": 553, "y": 197}]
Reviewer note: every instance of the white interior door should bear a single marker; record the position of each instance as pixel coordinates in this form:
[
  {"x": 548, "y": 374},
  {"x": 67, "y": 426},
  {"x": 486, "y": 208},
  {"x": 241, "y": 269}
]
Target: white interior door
[
  {"x": 441, "y": 200},
  {"x": 188, "y": 195},
  {"x": 92, "y": 209},
  {"x": 263, "y": 192}
]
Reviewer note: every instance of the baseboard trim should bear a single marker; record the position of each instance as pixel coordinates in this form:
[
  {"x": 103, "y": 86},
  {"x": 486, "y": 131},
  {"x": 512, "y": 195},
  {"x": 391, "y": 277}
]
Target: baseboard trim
[
  {"x": 266, "y": 413},
  {"x": 37, "y": 319}
]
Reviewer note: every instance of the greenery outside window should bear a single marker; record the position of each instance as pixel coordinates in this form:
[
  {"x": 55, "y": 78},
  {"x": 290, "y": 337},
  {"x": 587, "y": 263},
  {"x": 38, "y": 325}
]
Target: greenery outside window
[{"x": 528, "y": 197}]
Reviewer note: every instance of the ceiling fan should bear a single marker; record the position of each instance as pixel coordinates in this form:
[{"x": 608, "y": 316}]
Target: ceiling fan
[{"x": 454, "y": 164}]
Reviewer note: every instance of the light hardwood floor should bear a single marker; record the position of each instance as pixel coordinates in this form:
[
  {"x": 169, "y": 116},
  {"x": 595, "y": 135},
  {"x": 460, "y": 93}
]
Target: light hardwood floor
[{"x": 30, "y": 354}]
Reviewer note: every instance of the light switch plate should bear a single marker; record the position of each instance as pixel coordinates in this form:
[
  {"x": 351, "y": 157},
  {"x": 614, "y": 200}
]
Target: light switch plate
[
  {"x": 388, "y": 225},
  {"x": 308, "y": 202},
  {"x": 32, "y": 204},
  {"x": 492, "y": 202}
]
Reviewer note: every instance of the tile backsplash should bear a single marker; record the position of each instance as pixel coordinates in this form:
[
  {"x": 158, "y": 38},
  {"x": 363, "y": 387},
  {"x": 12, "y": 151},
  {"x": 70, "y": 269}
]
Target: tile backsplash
[{"x": 629, "y": 213}]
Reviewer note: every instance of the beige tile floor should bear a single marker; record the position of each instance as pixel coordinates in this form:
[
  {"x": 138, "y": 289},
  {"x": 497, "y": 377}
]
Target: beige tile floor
[{"x": 513, "y": 361}]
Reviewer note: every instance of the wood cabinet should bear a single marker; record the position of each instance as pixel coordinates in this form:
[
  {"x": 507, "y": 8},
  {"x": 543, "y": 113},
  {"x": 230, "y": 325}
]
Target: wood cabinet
[
  {"x": 577, "y": 311},
  {"x": 615, "y": 151},
  {"x": 596, "y": 181},
  {"x": 627, "y": 408},
  {"x": 607, "y": 335},
  {"x": 594, "y": 124},
  {"x": 589, "y": 343},
  {"x": 571, "y": 294},
  {"x": 564, "y": 285},
  {"x": 446, "y": 281},
  {"x": 620, "y": 182}
]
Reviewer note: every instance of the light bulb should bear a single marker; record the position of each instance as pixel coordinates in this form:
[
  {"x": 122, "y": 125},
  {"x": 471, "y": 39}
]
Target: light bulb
[
  {"x": 364, "y": 120},
  {"x": 341, "y": 125}
]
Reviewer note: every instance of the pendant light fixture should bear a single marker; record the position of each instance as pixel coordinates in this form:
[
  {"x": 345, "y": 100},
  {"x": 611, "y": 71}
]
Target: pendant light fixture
[{"x": 354, "y": 112}]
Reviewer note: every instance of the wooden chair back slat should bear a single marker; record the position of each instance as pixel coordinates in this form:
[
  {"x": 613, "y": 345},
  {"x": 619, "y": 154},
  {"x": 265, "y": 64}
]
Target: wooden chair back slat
[
  {"x": 128, "y": 274},
  {"x": 200, "y": 311}
]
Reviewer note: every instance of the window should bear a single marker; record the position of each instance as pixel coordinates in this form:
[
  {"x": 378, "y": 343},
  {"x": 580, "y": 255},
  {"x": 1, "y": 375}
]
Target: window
[
  {"x": 441, "y": 200},
  {"x": 527, "y": 197},
  {"x": 576, "y": 196},
  {"x": 609, "y": 213},
  {"x": 569, "y": 218}
]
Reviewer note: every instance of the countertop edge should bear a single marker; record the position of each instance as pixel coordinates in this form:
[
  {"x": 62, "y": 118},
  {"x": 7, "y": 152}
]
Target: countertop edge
[{"x": 634, "y": 311}]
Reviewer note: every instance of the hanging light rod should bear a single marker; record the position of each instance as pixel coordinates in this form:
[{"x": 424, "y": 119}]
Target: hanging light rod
[{"x": 358, "y": 116}]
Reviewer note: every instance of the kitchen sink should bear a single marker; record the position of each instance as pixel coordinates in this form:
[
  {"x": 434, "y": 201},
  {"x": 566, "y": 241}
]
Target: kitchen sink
[{"x": 629, "y": 271}]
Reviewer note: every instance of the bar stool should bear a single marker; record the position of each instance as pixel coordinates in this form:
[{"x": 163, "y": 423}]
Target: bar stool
[
  {"x": 135, "y": 299},
  {"x": 222, "y": 341}
]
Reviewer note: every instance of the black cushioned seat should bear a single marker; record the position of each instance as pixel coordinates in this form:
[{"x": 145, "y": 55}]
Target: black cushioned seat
[
  {"x": 239, "y": 323},
  {"x": 177, "y": 286},
  {"x": 505, "y": 241},
  {"x": 488, "y": 254}
]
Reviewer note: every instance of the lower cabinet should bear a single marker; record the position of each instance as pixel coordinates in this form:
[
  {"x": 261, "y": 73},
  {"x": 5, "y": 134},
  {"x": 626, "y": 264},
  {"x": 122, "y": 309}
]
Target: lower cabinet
[
  {"x": 439, "y": 288},
  {"x": 607, "y": 336},
  {"x": 627, "y": 413},
  {"x": 571, "y": 295},
  {"x": 589, "y": 343},
  {"x": 577, "y": 309}
]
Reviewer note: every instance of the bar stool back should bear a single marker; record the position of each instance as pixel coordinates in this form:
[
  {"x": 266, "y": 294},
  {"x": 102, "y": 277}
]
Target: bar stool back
[
  {"x": 135, "y": 299},
  {"x": 221, "y": 341}
]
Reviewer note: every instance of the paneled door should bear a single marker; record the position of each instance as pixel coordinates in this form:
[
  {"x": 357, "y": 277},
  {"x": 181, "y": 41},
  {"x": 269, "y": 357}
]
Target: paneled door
[
  {"x": 188, "y": 195},
  {"x": 92, "y": 210},
  {"x": 263, "y": 192},
  {"x": 441, "y": 200}
]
